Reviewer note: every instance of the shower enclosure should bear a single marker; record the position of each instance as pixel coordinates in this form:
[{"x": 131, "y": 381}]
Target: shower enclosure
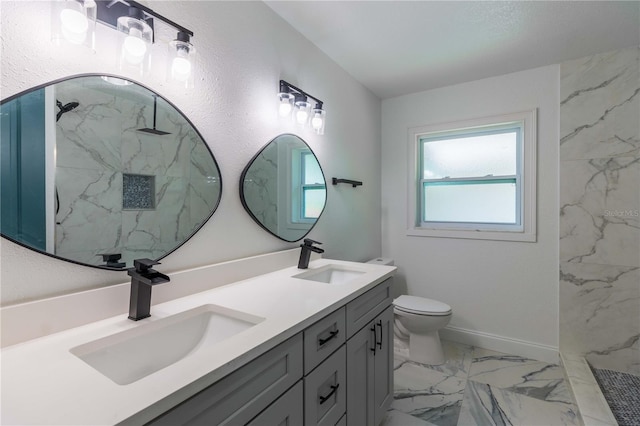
[{"x": 600, "y": 222}]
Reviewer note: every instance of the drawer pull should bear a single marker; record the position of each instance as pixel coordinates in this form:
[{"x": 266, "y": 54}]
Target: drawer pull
[
  {"x": 379, "y": 324},
  {"x": 324, "y": 399},
  {"x": 333, "y": 334}
]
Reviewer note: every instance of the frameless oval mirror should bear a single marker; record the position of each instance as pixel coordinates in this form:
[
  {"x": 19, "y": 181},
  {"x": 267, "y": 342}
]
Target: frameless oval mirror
[
  {"x": 99, "y": 170},
  {"x": 283, "y": 188}
]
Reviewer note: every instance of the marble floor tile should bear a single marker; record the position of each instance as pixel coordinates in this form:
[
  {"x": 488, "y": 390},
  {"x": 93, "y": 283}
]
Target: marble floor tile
[
  {"x": 458, "y": 357},
  {"x": 398, "y": 418},
  {"x": 521, "y": 375},
  {"x": 487, "y": 405},
  {"x": 428, "y": 394}
]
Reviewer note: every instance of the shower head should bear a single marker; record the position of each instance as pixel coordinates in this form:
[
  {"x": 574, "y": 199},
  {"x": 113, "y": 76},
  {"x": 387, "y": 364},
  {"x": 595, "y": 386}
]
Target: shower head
[
  {"x": 65, "y": 108},
  {"x": 154, "y": 131}
]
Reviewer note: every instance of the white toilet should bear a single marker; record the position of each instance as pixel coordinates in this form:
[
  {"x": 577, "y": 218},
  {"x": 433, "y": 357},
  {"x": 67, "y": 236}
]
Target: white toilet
[{"x": 417, "y": 321}]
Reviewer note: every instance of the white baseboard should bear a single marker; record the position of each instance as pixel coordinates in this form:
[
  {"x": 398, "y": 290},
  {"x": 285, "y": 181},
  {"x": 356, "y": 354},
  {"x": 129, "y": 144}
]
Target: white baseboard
[{"x": 497, "y": 343}]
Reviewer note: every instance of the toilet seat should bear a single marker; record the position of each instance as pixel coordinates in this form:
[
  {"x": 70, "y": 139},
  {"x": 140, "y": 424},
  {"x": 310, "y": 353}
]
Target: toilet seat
[{"x": 421, "y": 306}]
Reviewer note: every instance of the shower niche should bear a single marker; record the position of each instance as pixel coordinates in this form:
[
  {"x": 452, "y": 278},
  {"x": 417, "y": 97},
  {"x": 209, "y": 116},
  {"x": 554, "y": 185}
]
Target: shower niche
[{"x": 98, "y": 167}]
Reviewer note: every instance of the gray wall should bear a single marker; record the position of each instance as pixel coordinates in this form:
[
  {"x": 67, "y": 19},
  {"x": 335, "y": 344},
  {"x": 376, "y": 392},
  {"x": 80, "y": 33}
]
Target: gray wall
[{"x": 504, "y": 295}]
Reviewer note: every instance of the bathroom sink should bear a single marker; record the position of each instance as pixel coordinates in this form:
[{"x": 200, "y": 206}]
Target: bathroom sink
[
  {"x": 130, "y": 355},
  {"x": 330, "y": 274}
]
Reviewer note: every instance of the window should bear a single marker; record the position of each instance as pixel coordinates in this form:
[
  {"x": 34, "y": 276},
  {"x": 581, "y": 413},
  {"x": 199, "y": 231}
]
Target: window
[
  {"x": 474, "y": 179},
  {"x": 307, "y": 189},
  {"x": 313, "y": 187}
]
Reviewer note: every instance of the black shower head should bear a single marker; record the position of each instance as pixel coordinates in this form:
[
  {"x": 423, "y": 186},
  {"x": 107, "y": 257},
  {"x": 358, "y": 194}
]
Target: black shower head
[
  {"x": 154, "y": 131},
  {"x": 65, "y": 108}
]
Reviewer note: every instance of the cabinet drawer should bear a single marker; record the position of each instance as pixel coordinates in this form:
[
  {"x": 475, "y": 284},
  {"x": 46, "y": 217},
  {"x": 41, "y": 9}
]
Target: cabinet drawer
[
  {"x": 323, "y": 338},
  {"x": 325, "y": 393},
  {"x": 363, "y": 309},
  {"x": 286, "y": 410},
  {"x": 243, "y": 394}
]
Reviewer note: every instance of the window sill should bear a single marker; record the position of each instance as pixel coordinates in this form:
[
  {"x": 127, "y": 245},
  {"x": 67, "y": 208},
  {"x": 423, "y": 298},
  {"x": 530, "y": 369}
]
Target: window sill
[{"x": 528, "y": 237}]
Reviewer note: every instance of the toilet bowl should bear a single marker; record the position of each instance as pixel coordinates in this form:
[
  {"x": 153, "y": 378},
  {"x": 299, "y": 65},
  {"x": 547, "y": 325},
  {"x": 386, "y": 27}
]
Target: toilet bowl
[{"x": 418, "y": 319}]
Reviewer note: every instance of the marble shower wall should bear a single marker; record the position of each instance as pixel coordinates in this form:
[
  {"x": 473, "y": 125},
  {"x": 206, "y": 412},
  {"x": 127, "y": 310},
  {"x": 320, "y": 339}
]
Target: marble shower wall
[
  {"x": 261, "y": 188},
  {"x": 99, "y": 141},
  {"x": 600, "y": 209}
]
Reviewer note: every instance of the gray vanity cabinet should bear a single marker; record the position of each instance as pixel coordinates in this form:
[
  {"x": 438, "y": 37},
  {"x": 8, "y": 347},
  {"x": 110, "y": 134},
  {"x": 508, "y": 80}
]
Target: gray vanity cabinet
[
  {"x": 287, "y": 410},
  {"x": 370, "y": 371},
  {"x": 243, "y": 394},
  {"x": 338, "y": 371}
]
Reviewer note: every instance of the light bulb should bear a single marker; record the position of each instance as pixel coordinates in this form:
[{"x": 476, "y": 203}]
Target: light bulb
[
  {"x": 285, "y": 104},
  {"x": 284, "y": 109},
  {"x": 301, "y": 116},
  {"x": 302, "y": 112},
  {"x": 180, "y": 69},
  {"x": 134, "y": 48},
  {"x": 74, "y": 25},
  {"x": 318, "y": 119},
  {"x": 316, "y": 122}
]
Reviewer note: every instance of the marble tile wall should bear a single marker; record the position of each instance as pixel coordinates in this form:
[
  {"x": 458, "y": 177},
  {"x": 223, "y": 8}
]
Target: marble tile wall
[
  {"x": 99, "y": 141},
  {"x": 600, "y": 209},
  {"x": 261, "y": 188}
]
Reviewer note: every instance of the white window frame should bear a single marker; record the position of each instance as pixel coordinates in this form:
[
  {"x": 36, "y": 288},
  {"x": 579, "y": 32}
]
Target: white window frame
[{"x": 524, "y": 231}]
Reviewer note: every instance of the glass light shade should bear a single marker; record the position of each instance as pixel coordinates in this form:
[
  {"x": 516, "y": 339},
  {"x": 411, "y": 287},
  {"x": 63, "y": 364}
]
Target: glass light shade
[
  {"x": 285, "y": 104},
  {"x": 116, "y": 81},
  {"x": 136, "y": 44},
  {"x": 74, "y": 21},
  {"x": 318, "y": 119},
  {"x": 301, "y": 112},
  {"x": 181, "y": 63}
]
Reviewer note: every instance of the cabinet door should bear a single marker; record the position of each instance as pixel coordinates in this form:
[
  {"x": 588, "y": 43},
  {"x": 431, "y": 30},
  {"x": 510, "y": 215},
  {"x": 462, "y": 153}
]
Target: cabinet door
[
  {"x": 383, "y": 365},
  {"x": 360, "y": 383},
  {"x": 286, "y": 411}
]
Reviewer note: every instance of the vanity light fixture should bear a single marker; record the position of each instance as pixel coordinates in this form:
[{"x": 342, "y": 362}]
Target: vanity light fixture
[
  {"x": 74, "y": 21},
  {"x": 294, "y": 100}
]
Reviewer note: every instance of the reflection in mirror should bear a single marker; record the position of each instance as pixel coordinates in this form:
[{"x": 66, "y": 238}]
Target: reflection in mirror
[
  {"x": 283, "y": 188},
  {"x": 101, "y": 171}
]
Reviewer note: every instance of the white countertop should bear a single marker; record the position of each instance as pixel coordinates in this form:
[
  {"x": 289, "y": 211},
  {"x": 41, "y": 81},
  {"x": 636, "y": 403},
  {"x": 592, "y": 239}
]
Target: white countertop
[{"x": 43, "y": 383}]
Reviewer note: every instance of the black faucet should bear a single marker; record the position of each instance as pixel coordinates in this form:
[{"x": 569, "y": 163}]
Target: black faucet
[
  {"x": 112, "y": 260},
  {"x": 142, "y": 278},
  {"x": 305, "y": 253}
]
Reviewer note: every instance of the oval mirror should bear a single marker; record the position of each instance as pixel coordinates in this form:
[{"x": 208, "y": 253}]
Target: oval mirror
[
  {"x": 99, "y": 170},
  {"x": 283, "y": 188}
]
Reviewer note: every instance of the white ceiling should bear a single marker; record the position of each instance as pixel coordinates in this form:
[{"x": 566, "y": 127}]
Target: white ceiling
[{"x": 400, "y": 47}]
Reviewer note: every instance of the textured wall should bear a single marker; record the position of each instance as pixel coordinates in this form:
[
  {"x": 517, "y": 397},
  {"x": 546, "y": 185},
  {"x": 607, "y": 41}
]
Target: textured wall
[
  {"x": 600, "y": 209},
  {"x": 244, "y": 49}
]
